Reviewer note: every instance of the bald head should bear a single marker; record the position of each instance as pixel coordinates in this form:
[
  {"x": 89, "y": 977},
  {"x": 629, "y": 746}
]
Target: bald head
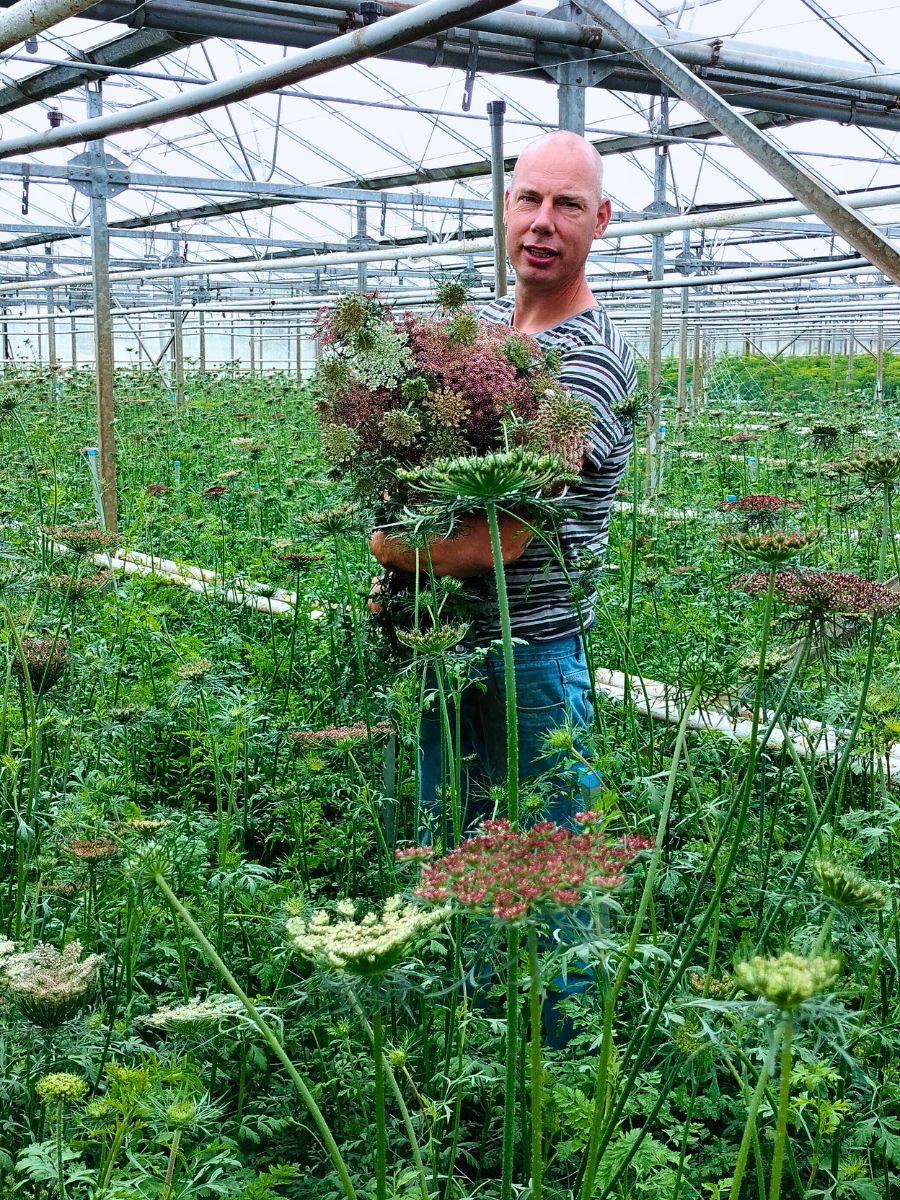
[{"x": 561, "y": 145}]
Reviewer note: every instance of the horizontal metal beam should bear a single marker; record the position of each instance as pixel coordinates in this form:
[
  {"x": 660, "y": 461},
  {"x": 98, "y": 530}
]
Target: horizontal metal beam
[
  {"x": 710, "y": 53},
  {"x": 290, "y": 192},
  {"x": 429, "y": 18},
  {"x": 620, "y": 229},
  {"x": 144, "y": 45}
]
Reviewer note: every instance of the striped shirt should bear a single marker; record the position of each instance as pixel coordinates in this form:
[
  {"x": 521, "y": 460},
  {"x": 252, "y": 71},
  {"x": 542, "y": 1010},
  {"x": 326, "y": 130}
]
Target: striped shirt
[{"x": 598, "y": 364}]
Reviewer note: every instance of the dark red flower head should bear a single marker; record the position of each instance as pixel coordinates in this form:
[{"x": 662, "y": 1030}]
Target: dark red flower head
[{"x": 510, "y": 874}]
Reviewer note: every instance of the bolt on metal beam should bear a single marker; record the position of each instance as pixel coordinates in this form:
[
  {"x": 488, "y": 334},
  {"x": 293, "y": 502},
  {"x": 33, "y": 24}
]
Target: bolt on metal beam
[{"x": 861, "y": 233}]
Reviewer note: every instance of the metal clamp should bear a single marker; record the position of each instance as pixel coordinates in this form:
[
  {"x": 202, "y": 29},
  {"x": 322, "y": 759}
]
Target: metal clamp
[
  {"x": 471, "y": 69},
  {"x": 26, "y": 187},
  {"x": 440, "y": 42}
]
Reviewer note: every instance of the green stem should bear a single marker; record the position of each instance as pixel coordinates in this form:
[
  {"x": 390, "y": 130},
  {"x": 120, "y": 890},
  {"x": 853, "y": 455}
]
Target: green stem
[
  {"x": 509, "y": 671},
  {"x": 784, "y": 1096},
  {"x": 509, "y": 1102},
  {"x": 60, "y": 1171},
  {"x": 749, "y": 1130},
  {"x": 170, "y": 1165},
  {"x": 380, "y": 1131},
  {"x": 267, "y": 1032},
  {"x": 534, "y": 1003},
  {"x": 601, "y": 1096}
]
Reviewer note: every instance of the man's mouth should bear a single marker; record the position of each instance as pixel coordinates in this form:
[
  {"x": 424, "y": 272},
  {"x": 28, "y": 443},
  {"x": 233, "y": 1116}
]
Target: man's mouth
[{"x": 541, "y": 252}]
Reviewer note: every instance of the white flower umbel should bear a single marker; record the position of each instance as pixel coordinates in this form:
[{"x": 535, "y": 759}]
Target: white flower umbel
[
  {"x": 370, "y": 945},
  {"x": 383, "y": 361},
  {"x": 48, "y": 984},
  {"x": 196, "y": 1013}
]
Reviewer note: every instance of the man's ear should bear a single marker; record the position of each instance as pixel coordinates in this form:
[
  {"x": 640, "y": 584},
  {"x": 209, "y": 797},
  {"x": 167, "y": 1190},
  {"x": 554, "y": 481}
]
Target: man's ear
[
  {"x": 604, "y": 213},
  {"x": 505, "y": 206}
]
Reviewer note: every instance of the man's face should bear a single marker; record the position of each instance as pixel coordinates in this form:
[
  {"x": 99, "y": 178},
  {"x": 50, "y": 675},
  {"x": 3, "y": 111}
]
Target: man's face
[{"x": 553, "y": 212}]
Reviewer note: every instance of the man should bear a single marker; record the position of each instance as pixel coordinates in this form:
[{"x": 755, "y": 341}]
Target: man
[{"x": 554, "y": 209}]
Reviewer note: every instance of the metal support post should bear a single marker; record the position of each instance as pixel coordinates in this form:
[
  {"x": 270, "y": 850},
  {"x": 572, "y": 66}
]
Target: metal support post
[
  {"x": 697, "y": 372},
  {"x": 879, "y": 363},
  {"x": 103, "y": 333},
  {"x": 361, "y": 240},
  {"x": 496, "y": 110},
  {"x": 73, "y": 338},
  {"x": 51, "y": 333},
  {"x": 851, "y": 345},
  {"x": 654, "y": 347},
  {"x": 262, "y": 334},
  {"x": 4, "y": 330},
  {"x": 571, "y": 97},
  {"x": 252, "y": 348},
  {"x": 299, "y": 339},
  {"x": 202, "y": 317},
  {"x": 681, "y": 403},
  {"x": 177, "y": 345},
  {"x": 858, "y": 230}
]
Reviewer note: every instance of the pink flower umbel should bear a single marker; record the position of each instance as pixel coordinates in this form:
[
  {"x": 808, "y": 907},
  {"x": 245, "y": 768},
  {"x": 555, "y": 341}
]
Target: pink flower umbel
[
  {"x": 821, "y": 593},
  {"x": 510, "y": 874}
]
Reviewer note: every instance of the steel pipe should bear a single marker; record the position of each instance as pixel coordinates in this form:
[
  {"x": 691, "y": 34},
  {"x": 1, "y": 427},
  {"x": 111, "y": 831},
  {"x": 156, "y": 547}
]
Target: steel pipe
[
  {"x": 433, "y": 16},
  {"x": 496, "y": 112},
  {"x": 28, "y": 17},
  {"x": 856, "y": 229}
]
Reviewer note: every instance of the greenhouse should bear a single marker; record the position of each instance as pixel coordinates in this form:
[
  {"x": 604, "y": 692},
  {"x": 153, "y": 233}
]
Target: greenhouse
[{"x": 450, "y": 588}]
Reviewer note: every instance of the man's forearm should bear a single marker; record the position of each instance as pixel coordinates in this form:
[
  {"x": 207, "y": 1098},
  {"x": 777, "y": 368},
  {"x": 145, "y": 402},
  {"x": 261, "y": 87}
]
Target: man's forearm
[{"x": 463, "y": 556}]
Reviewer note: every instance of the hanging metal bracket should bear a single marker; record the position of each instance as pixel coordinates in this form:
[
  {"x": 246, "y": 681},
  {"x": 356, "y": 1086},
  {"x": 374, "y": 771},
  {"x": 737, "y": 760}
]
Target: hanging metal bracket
[{"x": 471, "y": 71}]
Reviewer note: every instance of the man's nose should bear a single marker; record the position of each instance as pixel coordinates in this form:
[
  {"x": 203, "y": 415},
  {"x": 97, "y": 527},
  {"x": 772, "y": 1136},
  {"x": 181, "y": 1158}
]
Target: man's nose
[{"x": 543, "y": 216}]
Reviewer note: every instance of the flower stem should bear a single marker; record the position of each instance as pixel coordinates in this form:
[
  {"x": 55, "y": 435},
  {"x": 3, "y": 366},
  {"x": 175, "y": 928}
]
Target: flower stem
[
  {"x": 509, "y": 1102},
  {"x": 749, "y": 1130},
  {"x": 170, "y": 1166},
  {"x": 784, "y": 1096},
  {"x": 380, "y": 1131},
  {"x": 267, "y": 1032},
  {"x": 509, "y": 670},
  {"x": 60, "y": 1172},
  {"x": 537, "y": 1100},
  {"x": 601, "y": 1095}
]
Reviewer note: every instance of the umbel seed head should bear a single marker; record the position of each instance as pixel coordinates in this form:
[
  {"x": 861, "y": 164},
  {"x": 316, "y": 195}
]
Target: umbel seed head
[
  {"x": 60, "y": 1087},
  {"x": 848, "y": 888},
  {"x": 788, "y": 980}
]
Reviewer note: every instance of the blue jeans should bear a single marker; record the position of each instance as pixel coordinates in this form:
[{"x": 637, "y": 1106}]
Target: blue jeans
[{"x": 552, "y": 684}]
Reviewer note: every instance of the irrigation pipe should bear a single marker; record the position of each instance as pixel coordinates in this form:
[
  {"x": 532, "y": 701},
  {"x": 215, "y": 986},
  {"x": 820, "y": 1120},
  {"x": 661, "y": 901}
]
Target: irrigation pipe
[
  {"x": 275, "y": 601},
  {"x": 811, "y": 739}
]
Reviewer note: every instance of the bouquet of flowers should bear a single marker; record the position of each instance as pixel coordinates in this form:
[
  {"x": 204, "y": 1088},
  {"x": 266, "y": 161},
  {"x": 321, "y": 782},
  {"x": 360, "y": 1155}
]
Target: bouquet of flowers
[{"x": 396, "y": 393}]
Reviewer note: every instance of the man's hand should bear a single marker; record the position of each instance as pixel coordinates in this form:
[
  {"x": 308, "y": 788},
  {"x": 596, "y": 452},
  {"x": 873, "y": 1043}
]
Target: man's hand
[{"x": 465, "y": 555}]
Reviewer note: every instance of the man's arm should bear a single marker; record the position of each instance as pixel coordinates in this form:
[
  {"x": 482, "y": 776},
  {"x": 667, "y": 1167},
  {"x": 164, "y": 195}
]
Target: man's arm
[{"x": 466, "y": 554}]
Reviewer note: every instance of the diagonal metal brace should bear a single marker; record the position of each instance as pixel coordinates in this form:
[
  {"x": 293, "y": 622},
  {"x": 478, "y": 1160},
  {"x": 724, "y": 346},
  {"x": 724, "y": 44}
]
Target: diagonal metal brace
[{"x": 855, "y": 228}]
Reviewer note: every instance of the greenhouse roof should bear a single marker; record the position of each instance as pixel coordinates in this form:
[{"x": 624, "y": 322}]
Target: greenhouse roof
[{"x": 404, "y": 147}]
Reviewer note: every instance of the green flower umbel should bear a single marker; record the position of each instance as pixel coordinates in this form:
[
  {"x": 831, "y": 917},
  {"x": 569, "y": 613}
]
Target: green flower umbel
[
  {"x": 506, "y": 477},
  {"x": 848, "y": 888},
  {"x": 788, "y": 980}
]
